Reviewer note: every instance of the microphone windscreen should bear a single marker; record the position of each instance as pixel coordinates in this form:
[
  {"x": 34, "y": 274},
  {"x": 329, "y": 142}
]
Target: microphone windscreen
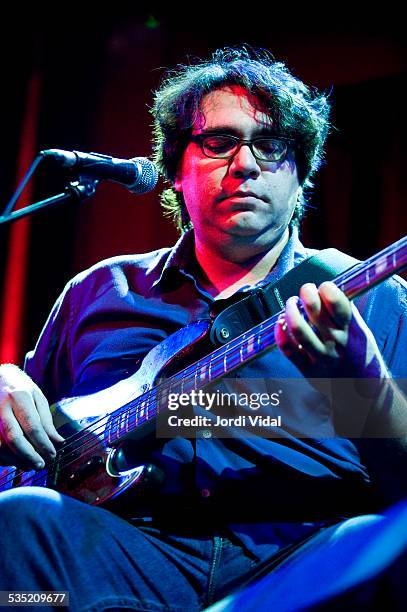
[{"x": 148, "y": 176}]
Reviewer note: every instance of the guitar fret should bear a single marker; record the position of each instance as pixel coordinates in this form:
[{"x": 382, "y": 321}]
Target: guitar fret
[
  {"x": 150, "y": 402},
  {"x": 225, "y": 362},
  {"x": 144, "y": 409},
  {"x": 151, "y": 407},
  {"x": 259, "y": 338},
  {"x": 110, "y": 430},
  {"x": 122, "y": 424},
  {"x": 140, "y": 412},
  {"x": 381, "y": 265},
  {"x": 161, "y": 398}
]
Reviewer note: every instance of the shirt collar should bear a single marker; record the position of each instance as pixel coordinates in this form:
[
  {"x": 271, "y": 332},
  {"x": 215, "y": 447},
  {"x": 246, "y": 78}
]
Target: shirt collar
[
  {"x": 181, "y": 259},
  {"x": 293, "y": 253}
]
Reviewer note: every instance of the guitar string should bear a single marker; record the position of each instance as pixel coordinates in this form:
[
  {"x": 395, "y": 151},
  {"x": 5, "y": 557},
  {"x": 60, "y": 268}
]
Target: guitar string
[
  {"x": 232, "y": 350},
  {"x": 216, "y": 357},
  {"x": 38, "y": 476},
  {"x": 212, "y": 362},
  {"x": 342, "y": 280},
  {"x": 339, "y": 281},
  {"x": 184, "y": 380},
  {"x": 98, "y": 424},
  {"x": 94, "y": 427},
  {"x": 352, "y": 274},
  {"x": 227, "y": 348}
]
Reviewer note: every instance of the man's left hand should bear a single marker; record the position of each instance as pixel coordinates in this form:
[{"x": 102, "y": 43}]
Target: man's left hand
[{"x": 335, "y": 341}]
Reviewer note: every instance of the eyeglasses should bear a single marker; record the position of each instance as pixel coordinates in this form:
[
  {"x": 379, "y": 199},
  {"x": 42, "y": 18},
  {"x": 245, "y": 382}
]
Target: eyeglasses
[{"x": 223, "y": 146}]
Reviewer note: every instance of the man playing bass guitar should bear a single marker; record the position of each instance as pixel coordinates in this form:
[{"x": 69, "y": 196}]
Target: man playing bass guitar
[{"x": 239, "y": 138}]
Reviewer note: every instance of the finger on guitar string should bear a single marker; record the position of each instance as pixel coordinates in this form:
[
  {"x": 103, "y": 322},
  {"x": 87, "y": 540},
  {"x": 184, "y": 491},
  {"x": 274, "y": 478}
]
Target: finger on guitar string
[
  {"x": 309, "y": 341},
  {"x": 290, "y": 346},
  {"x": 45, "y": 415},
  {"x": 341, "y": 327},
  {"x": 328, "y": 310},
  {"x": 329, "y": 313},
  {"x": 21, "y": 427},
  {"x": 15, "y": 449},
  {"x": 303, "y": 334}
]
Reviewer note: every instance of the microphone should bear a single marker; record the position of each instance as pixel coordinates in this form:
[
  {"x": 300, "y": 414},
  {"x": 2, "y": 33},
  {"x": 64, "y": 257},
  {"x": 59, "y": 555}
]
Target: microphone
[{"x": 138, "y": 174}]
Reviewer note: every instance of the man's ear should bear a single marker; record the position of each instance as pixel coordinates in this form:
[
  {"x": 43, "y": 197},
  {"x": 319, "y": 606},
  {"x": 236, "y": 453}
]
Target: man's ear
[{"x": 178, "y": 180}]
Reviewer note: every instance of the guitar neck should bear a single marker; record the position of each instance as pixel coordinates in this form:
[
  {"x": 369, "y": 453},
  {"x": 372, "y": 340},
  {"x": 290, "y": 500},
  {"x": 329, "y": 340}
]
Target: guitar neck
[
  {"x": 259, "y": 339},
  {"x": 374, "y": 270}
]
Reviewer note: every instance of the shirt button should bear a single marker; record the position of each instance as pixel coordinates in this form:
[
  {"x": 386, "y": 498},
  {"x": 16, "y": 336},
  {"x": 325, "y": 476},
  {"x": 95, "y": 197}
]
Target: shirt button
[
  {"x": 205, "y": 493},
  {"x": 206, "y": 433}
]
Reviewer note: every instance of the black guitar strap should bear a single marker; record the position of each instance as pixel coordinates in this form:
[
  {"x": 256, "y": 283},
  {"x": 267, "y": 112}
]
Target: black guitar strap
[{"x": 235, "y": 315}]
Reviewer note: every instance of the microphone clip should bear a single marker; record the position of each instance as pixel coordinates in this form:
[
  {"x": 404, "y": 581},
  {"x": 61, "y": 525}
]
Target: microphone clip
[{"x": 84, "y": 188}]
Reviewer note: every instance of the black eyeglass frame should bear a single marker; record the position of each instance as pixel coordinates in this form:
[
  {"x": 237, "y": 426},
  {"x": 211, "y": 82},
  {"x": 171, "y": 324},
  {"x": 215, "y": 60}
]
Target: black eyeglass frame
[{"x": 199, "y": 139}]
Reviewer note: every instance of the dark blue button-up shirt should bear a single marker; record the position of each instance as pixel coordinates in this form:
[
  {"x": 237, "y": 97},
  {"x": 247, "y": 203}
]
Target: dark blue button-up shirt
[{"x": 269, "y": 491}]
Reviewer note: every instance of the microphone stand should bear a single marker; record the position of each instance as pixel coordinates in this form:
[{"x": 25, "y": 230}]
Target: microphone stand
[{"x": 78, "y": 190}]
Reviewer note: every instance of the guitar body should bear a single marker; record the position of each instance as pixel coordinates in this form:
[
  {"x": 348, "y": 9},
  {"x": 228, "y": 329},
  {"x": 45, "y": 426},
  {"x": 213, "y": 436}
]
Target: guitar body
[{"x": 91, "y": 465}]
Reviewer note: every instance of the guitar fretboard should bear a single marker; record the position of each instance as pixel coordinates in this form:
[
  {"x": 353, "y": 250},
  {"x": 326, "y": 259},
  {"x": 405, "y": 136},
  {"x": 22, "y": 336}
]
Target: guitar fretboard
[{"x": 228, "y": 357}]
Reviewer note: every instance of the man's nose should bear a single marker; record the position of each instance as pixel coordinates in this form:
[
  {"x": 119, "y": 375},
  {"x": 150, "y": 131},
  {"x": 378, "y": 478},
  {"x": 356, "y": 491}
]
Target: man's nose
[{"x": 244, "y": 164}]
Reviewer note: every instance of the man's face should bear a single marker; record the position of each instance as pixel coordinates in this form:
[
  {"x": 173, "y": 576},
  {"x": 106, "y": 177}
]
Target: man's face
[{"x": 238, "y": 201}]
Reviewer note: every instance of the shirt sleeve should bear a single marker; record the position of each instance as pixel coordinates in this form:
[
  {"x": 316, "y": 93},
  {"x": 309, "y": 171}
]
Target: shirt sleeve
[
  {"x": 49, "y": 363},
  {"x": 385, "y": 311}
]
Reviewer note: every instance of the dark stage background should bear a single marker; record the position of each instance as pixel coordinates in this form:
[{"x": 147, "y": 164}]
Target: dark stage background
[{"x": 76, "y": 81}]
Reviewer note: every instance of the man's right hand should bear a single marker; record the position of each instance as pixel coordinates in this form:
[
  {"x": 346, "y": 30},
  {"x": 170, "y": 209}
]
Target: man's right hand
[{"x": 27, "y": 432}]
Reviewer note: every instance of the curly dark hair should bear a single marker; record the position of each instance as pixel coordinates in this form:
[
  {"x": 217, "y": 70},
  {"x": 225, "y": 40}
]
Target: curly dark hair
[{"x": 299, "y": 112}]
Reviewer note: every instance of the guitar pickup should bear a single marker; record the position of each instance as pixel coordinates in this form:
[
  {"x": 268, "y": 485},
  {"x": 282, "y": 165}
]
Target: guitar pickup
[{"x": 85, "y": 470}]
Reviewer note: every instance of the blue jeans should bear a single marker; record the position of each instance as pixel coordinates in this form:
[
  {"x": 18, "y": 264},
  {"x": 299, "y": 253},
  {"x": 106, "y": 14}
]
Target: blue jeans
[
  {"x": 50, "y": 542},
  {"x": 359, "y": 564}
]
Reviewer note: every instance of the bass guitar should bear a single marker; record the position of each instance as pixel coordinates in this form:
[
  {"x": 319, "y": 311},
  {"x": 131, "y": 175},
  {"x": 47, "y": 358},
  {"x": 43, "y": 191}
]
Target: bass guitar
[{"x": 90, "y": 465}]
